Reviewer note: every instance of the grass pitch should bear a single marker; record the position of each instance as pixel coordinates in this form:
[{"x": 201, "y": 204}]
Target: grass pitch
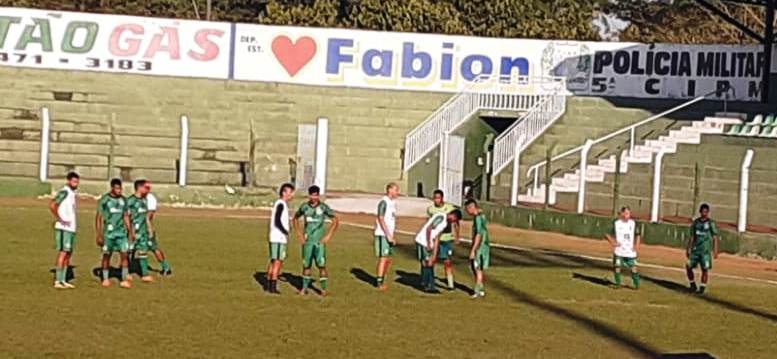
[{"x": 538, "y": 304}]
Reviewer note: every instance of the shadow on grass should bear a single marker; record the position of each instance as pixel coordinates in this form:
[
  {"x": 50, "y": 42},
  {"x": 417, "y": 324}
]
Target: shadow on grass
[
  {"x": 590, "y": 324},
  {"x": 410, "y": 280},
  {"x": 443, "y": 283},
  {"x": 735, "y": 307},
  {"x": 363, "y": 276},
  {"x": 687, "y": 356},
  {"x": 113, "y": 272},
  {"x": 69, "y": 275},
  {"x": 604, "y": 282},
  {"x": 293, "y": 280}
]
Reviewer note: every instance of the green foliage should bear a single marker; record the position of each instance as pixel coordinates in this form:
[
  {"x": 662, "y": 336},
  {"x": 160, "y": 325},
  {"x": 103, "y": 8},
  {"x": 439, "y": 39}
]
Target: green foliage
[{"x": 556, "y": 19}]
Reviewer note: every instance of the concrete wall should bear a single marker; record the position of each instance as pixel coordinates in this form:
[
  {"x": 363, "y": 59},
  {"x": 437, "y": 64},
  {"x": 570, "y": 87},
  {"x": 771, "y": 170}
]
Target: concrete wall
[{"x": 136, "y": 119}]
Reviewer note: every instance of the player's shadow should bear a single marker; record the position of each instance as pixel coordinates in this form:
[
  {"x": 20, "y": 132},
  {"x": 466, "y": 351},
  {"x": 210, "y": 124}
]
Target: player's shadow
[
  {"x": 443, "y": 283},
  {"x": 599, "y": 327},
  {"x": 687, "y": 356},
  {"x": 261, "y": 279},
  {"x": 69, "y": 275},
  {"x": 113, "y": 272},
  {"x": 677, "y": 287},
  {"x": 363, "y": 276},
  {"x": 293, "y": 280},
  {"x": 410, "y": 280},
  {"x": 604, "y": 282}
]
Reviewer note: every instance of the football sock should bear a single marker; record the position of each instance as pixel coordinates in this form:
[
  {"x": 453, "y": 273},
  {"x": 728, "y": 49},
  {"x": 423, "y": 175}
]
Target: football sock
[
  {"x": 305, "y": 282},
  {"x": 450, "y": 280},
  {"x": 106, "y": 274},
  {"x": 618, "y": 278},
  {"x": 379, "y": 281},
  {"x": 429, "y": 278},
  {"x": 165, "y": 265},
  {"x": 635, "y": 278},
  {"x": 478, "y": 287},
  {"x": 143, "y": 266},
  {"x": 124, "y": 273},
  {"x": 58, "y": 277},
  {"x": 324, "y": 283}
]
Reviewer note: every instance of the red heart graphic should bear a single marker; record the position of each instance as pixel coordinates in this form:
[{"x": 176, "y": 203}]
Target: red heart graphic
[{"x": 293, "y": 56}]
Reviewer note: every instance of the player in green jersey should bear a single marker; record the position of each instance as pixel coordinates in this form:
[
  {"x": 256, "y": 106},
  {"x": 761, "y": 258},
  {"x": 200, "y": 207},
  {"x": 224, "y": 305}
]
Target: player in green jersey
[
  {"x": 315, "y": 237},
  {"x": 63, "y": 207},
  {"x": 480, "y": 254},
  {"x": 702, "y": 248},
  {"x": 447, "y": 238},
  {"x": 114, "y": 232},
  {"x": 141, "y": 224}
]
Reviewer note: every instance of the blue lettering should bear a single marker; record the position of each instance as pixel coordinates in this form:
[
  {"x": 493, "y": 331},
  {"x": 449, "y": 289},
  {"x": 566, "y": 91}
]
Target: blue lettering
[
  {"x": 486, "y": 67},
  {"x": 335, "y": 57},
  {"x": 508, "y": 64},
  {"x": 409, "y": 57},
  {"x": 446, "y": 68},
  {"x": 386, "y": 62}
]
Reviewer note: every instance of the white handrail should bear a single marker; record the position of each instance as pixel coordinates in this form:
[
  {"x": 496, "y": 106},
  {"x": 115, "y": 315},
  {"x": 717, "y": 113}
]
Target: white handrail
[
  {"x": 485, "y": 93},
  {"x": 744, "y": 189},
  {"x": 530, "y": 126},
  {"x": 534, "y": 170},
  {"x": 45, "y": 137}
]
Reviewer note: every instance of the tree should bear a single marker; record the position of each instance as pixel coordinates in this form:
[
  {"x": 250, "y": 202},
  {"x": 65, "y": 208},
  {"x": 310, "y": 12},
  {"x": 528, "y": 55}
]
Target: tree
[{"x": 684, "y": 21}]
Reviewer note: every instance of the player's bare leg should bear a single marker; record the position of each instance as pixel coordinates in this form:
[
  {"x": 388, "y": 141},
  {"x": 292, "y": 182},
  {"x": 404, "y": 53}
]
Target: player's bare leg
[
  {"x": 106, "y": 268},
  {"x": 448, "y": 264},
  {"x": 704, "y": 278},
  {"x": 125, "y": 281},
  {"x": 324, "y": 279},
  {"x": 691, "y": 279},
  {"x": 384, "y": 263}
]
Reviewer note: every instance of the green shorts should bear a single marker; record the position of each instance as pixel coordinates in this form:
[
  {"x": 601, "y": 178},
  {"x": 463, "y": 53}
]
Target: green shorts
[
  {"x": 423, "y": 253},
  {"x": 624, "y": 262},
  {"x": 446, "y": 250},
  {"x": 142, "y": 244},
  {"x": 115, "y": 243},
  {"x": 383, "y": 247},
  {"x": 700, "y": 259},
  {"x": 482, "y": 259},
  {"x": 65, "y": 241},
  {"x": 278, "y": 251},
  {"x": 313, "y": 252}
]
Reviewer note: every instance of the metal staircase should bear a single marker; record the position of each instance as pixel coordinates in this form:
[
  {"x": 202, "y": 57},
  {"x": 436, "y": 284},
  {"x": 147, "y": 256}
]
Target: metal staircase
[{"x": 530, "y": 96}]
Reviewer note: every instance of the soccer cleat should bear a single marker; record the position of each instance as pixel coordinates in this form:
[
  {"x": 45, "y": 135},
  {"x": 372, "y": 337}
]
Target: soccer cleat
[
  {"x": 125, "y": 284},
  {"x": 303, "y": 292},
  {"x": 167, "y": 273},
  {"x": 475, "y": 295},
  {"x": 68, "y": 285},
  {"x": 59, "y": 285},
  {"x": 383, "y": 288},
  {"x": 147, "y": 279},
  {"x": 106, "y": 283},
  {"x": 702, "y": 289},
  {"x": 693, "y": 288},
  {"x": 482, "y": 294}
]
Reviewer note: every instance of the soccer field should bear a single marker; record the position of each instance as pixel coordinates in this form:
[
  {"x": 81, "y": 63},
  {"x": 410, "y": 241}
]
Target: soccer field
[{"x": 539, "y": 304}]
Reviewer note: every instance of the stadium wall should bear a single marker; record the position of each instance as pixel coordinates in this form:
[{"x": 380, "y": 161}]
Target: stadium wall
[
  {"x": 591, "y": 226},
  {"x": 124, "y": 125}
]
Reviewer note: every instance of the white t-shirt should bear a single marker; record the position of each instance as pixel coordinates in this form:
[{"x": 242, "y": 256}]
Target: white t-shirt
[
  {"x": 625, "y": 232},
  {"x": 388, "y": 207},
  {"x": 277, "y": 235},
  {"x": 151, "y": 202},
  {"x": 66, "y": 198},
  {"x": 438, "y": 222}
]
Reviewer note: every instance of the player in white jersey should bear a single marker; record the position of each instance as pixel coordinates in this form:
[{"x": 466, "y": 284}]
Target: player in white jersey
[
  {"x": 153, "y": 206},
  {"x": 385, "y": 226},
  {"x": 63, "y": 207},
  {"x": 625, "y": 239},
  {"x": 428, "y": 244},
  {"x": 279, "y": 236}
]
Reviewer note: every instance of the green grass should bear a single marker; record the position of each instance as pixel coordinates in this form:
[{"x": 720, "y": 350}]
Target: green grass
[{"x": 213, "y": 306}]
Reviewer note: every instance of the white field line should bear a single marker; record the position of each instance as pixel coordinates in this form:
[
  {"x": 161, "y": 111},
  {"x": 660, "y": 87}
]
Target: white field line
[{"x": 582, "y": 256}]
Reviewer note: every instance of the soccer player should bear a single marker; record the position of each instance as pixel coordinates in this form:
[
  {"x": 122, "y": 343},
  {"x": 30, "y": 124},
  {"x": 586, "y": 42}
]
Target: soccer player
[
  {"x": 702, "y": 247},
  {"x": 447, "y": 238},
  {"x": 114, "y": 232},
  {"x": 315, "y": 237},
  {"x": 63, "y": 207},
  {"x": 625, "y": 239},
  {"x": 141, "y": 224},
  {"x": 279, "y": 236},
  {"x": 385, "y": 225},
  {"x": 153, "y": 243},
  {"x": 480, "y": 254},
  {"x": 428, "y": 243}
]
